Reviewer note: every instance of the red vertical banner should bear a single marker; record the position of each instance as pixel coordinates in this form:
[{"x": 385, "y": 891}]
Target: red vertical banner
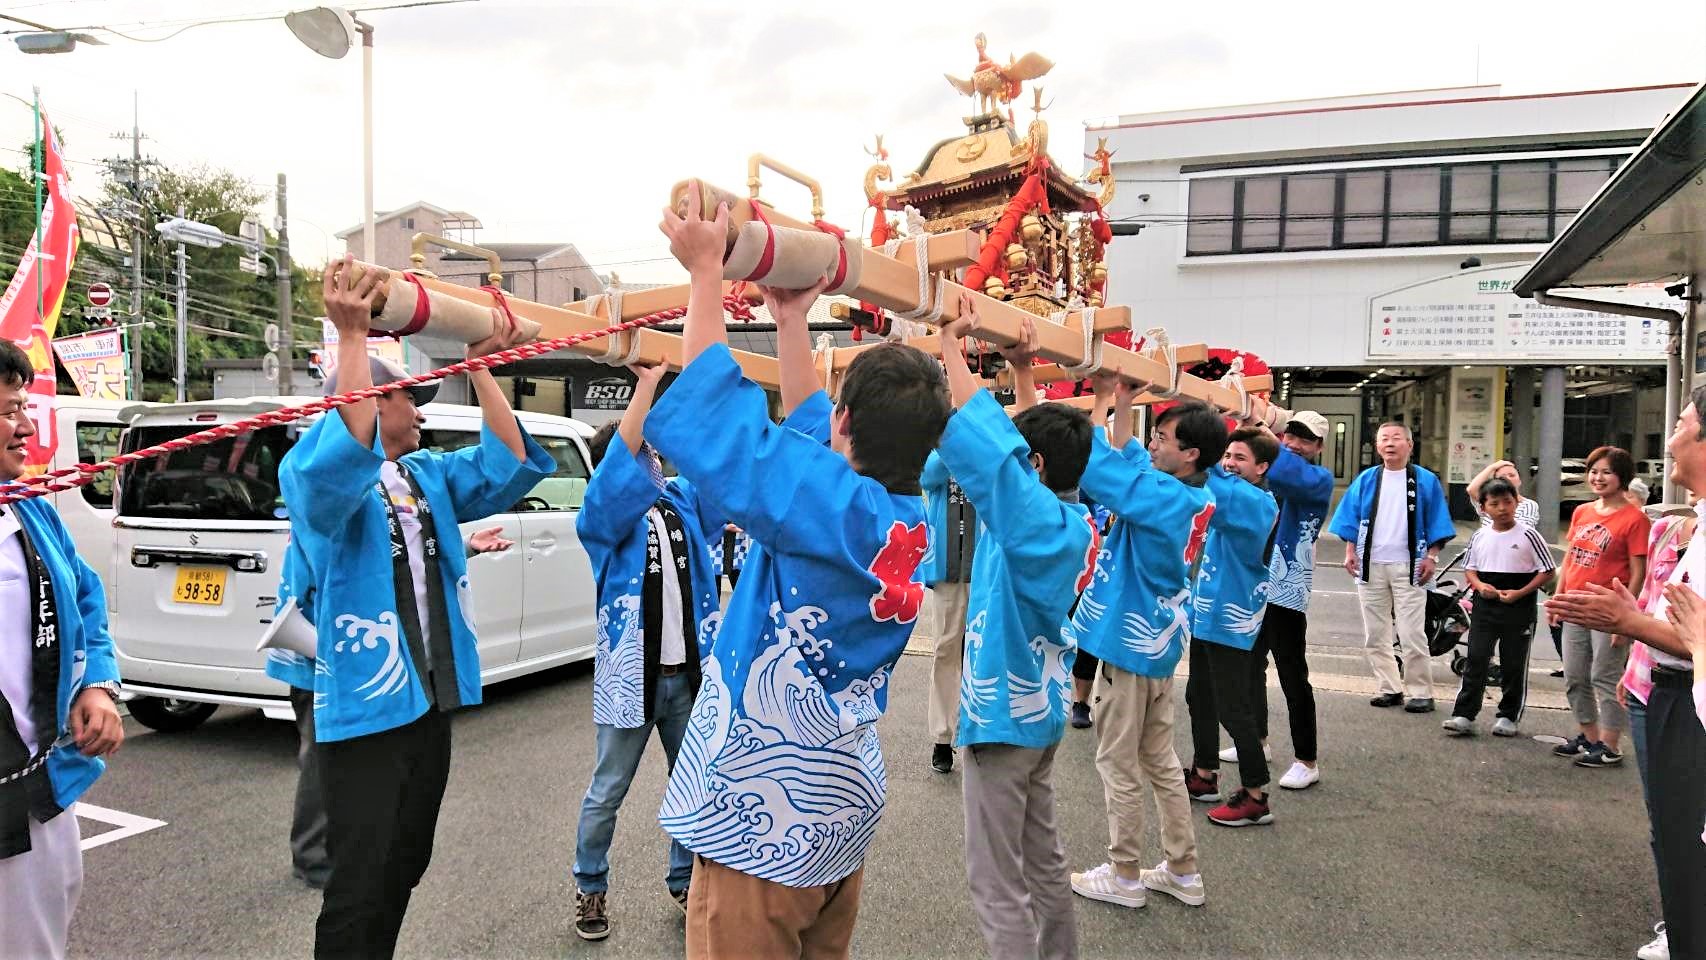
[{"x": 29, "y": 310}]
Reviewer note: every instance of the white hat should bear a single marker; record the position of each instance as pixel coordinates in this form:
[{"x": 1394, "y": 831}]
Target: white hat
[
  {"x": 384, "y": 371},
  {"x": 1307, "y": 422}
]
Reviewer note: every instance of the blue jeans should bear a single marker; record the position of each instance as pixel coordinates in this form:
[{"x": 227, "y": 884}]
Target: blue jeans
[{"x": 619, "y": 752}]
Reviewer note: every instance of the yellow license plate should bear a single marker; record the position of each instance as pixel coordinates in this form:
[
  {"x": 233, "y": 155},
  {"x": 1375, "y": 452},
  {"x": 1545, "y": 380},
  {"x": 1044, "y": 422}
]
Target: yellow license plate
[{"x": 205, "y": 585}]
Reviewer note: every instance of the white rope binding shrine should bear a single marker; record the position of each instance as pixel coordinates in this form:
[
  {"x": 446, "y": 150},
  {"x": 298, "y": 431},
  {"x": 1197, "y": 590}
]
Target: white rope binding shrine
[
  {"x": 1092, "y": 353},
  {"x": 1157, "y": 346},
  {"x": 613, "y": 355}
]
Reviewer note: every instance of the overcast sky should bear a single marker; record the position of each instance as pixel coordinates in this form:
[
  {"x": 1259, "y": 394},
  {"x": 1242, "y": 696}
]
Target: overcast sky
[{"x": 566, "y": 121}]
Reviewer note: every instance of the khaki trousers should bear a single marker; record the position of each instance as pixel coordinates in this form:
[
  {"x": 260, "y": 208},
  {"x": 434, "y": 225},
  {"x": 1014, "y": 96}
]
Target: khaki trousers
[
  {"x": 948, "y": 623},
  {"x": 1134, "y": 721},
  {"x": 1389, "y": 589},
  {"x": 736, "y": 916},
  {"x": 1021, "y": 888}
]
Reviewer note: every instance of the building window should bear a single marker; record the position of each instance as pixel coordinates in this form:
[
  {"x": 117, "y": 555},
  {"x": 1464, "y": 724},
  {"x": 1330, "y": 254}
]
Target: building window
[
  {"x": 1309, "y": 202},
  {"x": 1509, "y": 201},
  {"x": 408, "y": 223},
  {"x": 1210, "y": 217}
]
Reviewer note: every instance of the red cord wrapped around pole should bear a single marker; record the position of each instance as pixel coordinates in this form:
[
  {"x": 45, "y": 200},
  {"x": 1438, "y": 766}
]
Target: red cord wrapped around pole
[
  {"x": 70, "y": 478},
  {"x": 1031, "y": 194}
]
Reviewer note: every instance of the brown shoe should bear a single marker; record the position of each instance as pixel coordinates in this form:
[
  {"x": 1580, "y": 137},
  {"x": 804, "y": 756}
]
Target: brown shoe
[{"x": 591, "y": 922}]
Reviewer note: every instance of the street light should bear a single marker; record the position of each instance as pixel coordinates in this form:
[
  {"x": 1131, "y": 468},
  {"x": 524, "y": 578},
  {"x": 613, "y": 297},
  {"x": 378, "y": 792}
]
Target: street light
[{"x": 331, "y": 32}]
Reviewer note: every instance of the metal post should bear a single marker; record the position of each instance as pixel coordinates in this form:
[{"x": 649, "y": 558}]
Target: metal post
[
  {"x": 134, "y": 334},
  {"x": 1521, "y": 453},
  {"x": 286, "y": 335},
  {"x": 183, "y": 318},
  {"x": 1673, "y": 399},
  {"x": 367, "y": 142},
  {"x": 1551, "y": 449}
]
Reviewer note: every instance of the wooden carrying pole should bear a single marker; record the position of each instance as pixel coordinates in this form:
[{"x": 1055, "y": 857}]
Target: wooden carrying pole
[{"x": 892, "y": 283}]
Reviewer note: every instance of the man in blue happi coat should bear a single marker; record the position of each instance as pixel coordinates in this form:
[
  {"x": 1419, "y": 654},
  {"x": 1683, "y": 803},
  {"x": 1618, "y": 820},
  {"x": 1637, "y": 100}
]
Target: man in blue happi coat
[
  {"x": 780, "y": 782},
  {"x": 1228, "y": 606},
  {"x": 1037, "y": 551},
  {"x": 396, "y": 650},
  {"x": 58, "y": 684},
  {"x": 648, "y": 541}
]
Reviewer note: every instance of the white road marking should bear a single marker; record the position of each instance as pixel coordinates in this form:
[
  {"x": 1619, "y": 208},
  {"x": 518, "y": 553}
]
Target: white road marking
[{"x": 127, "y": 824}]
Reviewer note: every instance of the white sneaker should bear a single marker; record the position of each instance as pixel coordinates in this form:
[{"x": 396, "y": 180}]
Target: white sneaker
[
  {"x": 1301, "y": 776},
  {"x": 1188, "y": 891},
  {"x": 1230, "y": 754},
  {"x": 1659, "y": 949},
  {"x": 1105, "y": 885},
  {"x": 1502, "y": 727},
  {"x": 1458, "y": 726}
]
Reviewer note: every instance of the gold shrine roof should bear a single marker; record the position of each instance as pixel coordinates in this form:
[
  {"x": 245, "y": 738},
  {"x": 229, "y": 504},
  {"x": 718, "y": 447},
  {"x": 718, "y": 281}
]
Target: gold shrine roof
[{"x": 981, "y": 161}]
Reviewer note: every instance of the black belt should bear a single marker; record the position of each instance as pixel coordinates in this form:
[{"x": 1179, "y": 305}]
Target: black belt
[
  {"x": 1670, "y": 677},
  {"x": 670, "y": 669}
]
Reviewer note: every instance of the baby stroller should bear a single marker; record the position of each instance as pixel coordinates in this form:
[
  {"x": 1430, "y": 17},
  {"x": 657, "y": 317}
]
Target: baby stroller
[{"x": 1446, "y": 622}]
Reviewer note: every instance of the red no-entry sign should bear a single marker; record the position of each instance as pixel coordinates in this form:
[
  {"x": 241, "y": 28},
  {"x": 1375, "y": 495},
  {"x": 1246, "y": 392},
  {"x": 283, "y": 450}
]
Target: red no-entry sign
[{"x": 100, "y": 294}]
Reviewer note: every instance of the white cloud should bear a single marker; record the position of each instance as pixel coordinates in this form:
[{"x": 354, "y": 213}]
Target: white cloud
[{"x": 569, "y": 121}]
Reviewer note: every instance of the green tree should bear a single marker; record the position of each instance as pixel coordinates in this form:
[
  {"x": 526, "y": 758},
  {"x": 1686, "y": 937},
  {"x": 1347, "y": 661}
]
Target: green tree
[{"x": 228, "y": 308}]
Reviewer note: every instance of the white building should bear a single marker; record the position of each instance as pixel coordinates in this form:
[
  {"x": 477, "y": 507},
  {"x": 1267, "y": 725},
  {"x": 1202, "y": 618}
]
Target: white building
[{"x": 1365, "y": 247}]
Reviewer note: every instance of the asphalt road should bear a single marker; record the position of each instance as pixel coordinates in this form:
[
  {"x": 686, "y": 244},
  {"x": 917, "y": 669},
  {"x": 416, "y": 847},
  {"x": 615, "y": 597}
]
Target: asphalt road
[{"x": 1413, "y": 845}]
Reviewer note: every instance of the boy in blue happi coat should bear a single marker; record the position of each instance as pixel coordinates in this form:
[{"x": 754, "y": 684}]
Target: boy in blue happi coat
[
  {"x": 1227, "y": 612},
  {"x": 58, "y": 687},
  {"x": 396, "y": 648},
  {"x": 1037, "y": 551},
  {"x": 780, "y": 783},
  {"x": 648, "y": 541},
  {"x": 1135, "y": 618}
]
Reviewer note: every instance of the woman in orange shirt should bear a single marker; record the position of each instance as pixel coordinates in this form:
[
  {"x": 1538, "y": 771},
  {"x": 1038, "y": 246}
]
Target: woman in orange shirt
[{"x": 1607, "y": 544}]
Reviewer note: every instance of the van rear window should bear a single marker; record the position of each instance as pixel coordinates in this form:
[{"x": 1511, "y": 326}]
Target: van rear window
[{"x": 234, "y": 479}]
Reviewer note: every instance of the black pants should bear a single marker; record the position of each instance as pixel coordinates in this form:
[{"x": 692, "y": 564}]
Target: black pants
[
  {"x": 1218, "y": 693},
  {"x": 1510, "y": 628},
  {"x": 308, "y": 821},
  {"x": 382, "y": 793},
  {"x": 1676, "y": 772},
  {"x": 1285, "y": 634},
  {"x": 1084, "y": 665}
]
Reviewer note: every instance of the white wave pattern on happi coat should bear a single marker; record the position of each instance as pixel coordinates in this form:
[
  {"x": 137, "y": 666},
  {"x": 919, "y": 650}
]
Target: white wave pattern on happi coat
[
  {"x": 977, "y": 694},
  {"x": 362, "y": 634},
  {"x": 1288, "y": 580},
  {"x": 791, "y": 791},
  {"x": 1149, "y": 639},
  {"x": 1231, "y": 617},
  {"x": 1032, "y": 701},
  {"x": 619, "y": 665}
]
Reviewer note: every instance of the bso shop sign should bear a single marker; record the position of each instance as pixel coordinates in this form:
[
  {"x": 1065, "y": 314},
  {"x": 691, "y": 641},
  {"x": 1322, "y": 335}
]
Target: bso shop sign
[{"x": 610, "y": 392}]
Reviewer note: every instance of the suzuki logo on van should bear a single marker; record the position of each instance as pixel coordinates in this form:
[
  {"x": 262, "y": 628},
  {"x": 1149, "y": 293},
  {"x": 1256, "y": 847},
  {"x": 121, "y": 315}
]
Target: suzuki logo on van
[{"x": 195, "y": 540}]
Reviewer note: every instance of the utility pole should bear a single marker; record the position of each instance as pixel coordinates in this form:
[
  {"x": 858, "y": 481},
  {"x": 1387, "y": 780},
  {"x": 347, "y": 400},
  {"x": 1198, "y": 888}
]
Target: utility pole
[
  {"x": 183, "y": 316},
  {"x": 133, "y": 182},
  {"x": 286, "y": 351}
]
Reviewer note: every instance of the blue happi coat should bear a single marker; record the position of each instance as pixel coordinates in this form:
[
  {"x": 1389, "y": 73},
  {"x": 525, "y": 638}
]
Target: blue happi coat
[
  {"x": 288, "y": 666},
  {"x": 613, "y": 528},
  {"x": 85, "y": 646},
  {"x": 1034, "y": 553},
  {"x": 780, "y": 775},
  {"x": 1232, "y": 583},
  {"x": 1304, "y": 491},
  {"x": 1136, "y": 613},
  {"x": 1429, "y": 519},
  {"x": 365, "y": 679}
]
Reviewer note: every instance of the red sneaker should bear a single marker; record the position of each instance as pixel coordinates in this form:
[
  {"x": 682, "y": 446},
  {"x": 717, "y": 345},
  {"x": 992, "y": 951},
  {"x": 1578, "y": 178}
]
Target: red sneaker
[
  {"x": 1242, "y": 810},
  {"x": 1204, "y": 789}
]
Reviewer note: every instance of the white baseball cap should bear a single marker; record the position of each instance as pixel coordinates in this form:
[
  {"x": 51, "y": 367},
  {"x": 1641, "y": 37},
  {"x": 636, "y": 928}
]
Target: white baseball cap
[{"x": 1307, "y": 423}]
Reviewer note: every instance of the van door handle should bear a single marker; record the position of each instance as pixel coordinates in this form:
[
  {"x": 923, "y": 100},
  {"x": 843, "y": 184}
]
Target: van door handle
[{"x": 543, "y": 542}]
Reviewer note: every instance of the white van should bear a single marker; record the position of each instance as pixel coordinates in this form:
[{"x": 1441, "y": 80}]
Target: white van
[
  {"x": 199, "y": 537},
  {"x": 87, "y": 431}
]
